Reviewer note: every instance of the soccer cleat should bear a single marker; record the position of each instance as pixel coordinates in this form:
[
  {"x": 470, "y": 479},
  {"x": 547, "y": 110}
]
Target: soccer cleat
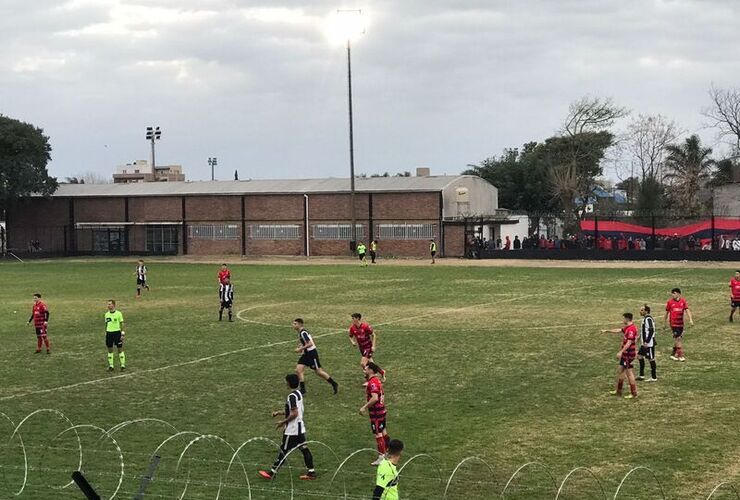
[
  {"x": 265, "y": 474},
  {"x": 48, "y": 352},
  {"x": 378, "y": 461},
  {"x": 110, "y": 368},
  {"x": 335, "y": 386},
  {"x": 38, "y": 351},
  {"x": 123, "y": 368},
  {"x": 630, "y": 396},
  {"x": 652, "y": 380},
  {"x": 308, "y": 476},
  {"x": 615, "y": 393},
  {"x": 674, "y": 358},
  {"x": 682, "y": 358},
  {"x": 641, "y": 377}
]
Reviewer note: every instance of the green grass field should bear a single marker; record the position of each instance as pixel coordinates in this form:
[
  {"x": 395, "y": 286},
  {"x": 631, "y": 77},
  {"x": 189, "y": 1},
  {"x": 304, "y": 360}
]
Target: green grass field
[{"x": 504, "y": 364}]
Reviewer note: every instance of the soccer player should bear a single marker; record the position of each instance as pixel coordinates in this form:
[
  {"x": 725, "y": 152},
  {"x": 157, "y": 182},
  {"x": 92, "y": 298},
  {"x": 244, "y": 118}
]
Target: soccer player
[
  {"x": 433, "y": 249},
  {"x": 386, "y": 482},
  {"x": 309, "y": 357},
  {"x": 373, "y": 250},
  {"x": 675, "y": 309},
  {"x": 361, "y": 250},
  {"x": 735, "y": 296},
  {"x": 140, "y": 278},
  {"x": 114, "y": 335},
  {"x": 362, "y": 335},
  {"x": 375, "y": 406},
  {"x": 647, "y": 345},
  {"x": 626, "y": 356},
  {"x": 223, "y": 274},
  {"x": 294, "y": 432},
  {"x": 40, "y": 318},
  {"x": 226, "y": 295}
]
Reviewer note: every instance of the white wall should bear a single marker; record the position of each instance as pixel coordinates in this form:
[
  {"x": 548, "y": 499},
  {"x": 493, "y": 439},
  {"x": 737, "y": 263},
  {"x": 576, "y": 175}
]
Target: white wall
[{"x": 482, "y": 195}]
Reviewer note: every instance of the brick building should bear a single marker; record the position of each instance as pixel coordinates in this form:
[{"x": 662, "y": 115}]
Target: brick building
[{"x": 255, "y": 217}]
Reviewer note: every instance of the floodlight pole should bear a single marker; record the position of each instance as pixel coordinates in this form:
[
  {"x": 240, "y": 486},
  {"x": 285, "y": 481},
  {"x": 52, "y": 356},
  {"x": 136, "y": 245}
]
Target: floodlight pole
[{"x": 353, "y": 229}]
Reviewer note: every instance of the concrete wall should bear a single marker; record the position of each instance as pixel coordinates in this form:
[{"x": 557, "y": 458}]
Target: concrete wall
[
  {"x": 483, "y": 197},
  {"x": 727, "y": 200}
]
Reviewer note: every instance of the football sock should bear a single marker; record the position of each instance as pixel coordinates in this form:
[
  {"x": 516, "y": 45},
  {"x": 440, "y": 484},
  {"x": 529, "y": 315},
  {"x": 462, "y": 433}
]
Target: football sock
[
  {"x": 331, "y": 381},
  {"x": 619, "y": 386},
  {"x": 229, "y": 314},
  {"x": 307, "y": 458},
  {"x": 679, "y": 352},
  {"x": 46, "y": 343},
  {"x": 38, "y": 343},
  {"x": 382, "y": 372},
  {"x": 674, "y": 351},
  {"x": 381, "y": 444},
  {"x": 122, "y": 359},
  {"x": 138, "y": 291},
  {"x": 653, "y": 369},
  {"x": 303, "y": 387},
  {"x": 387, "y": 441},
  {"x": 642, "y": 367},
  {"x": 633, "y": 389},
  {"x": 110, "y": 360},
  {"x": 221, "y": 314}
]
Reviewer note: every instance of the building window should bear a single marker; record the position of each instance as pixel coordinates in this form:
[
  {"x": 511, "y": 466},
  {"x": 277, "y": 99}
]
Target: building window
[
  {"x": 274, "y": 232},
  {"x": 337, "y": 231},
  {"x": 405, "y": 231},
  {"x": 213, "y": 232},
  {"x": 109, "y": 241},
  {"x": 161, "y": 240}
]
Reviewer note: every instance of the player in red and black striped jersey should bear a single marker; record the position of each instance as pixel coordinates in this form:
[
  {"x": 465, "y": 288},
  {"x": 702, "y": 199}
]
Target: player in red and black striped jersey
[
  {"x": 674, "y": 310},
  {"x": 626, "y": 356},
  {"x": 224, "y": 274},
  {"x": 40, "y": 318},
  {"x": 363, "y": 336},
  {"x": 735, "y": 295},
  {"x": 375, "y": 407}
]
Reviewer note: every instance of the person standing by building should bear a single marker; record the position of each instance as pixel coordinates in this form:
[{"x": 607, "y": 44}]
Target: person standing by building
[
  {"x": 309, "y": 357},
  {"x": 735, "y": 294},
  {"x": 114, "y": 335},
  {"x": 226, "y": 296},
  {"x": 647, "y": 344},
  {"x": 675, "y": 309},
  {"x": 294, "y": 432},
  {"x": 386, "y": 479},
  {"x": 626, "y": 356},
  {"x": 373, "y": 251},
  {"x": 361, "y": 251},
  {"x": 375, "y": 407},
  {"x": 141, "y": 278},
  {"x": 40, "y": 318},
  {"x": 517, "y": 242},
  {"x": 433, "y": 249}
]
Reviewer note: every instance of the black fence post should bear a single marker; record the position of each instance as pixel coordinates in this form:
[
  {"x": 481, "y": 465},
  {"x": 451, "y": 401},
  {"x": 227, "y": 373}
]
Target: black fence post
[{"x": 596, "y": 234}]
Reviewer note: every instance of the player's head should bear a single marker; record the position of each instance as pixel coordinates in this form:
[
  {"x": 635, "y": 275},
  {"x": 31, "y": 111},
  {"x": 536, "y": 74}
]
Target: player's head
[
  {"x": 141, "y": 261},
  {"x": 297, "y": 323},
  {"x": 223, "y": 266},
  {"x": 644, "y": 310},
  {"x": 676, "y": 292},
  {"x": 371, "y": 369},
  {"x": 627, "y": 317},
  {"x": 395, "y": 447},
  {"x": 36, "y": 297},
  {"x": 356, "y": 319},
  {"x": 111, "y": 305},
  {"x": 737, "y": 274},
  {"x": 292, "y": 380}
]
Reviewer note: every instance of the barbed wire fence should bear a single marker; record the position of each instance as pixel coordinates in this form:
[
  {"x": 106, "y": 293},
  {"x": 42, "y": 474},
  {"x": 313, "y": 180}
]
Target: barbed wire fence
[{"x": 190, "y": 464}]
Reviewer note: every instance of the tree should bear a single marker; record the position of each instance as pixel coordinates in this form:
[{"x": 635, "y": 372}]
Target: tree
[
  {"x": 592, "y": 114},
  {"x": 631, "y": 186},
  {"x": 724, "y": 114},
  {"x": 723, "y": 173},
  {"x": 89, "y": 177},
  {"x": 647, "y": 139},
  {"x": 688, "y": 166},
  {"x": 24, "y": 153}
]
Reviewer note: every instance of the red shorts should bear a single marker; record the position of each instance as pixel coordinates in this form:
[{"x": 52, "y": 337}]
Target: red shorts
[{"x": 377, "y": 425}]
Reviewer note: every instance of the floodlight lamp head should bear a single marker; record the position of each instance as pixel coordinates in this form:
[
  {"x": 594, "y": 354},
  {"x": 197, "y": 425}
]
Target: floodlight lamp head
[{"x": 345, "y": 26}]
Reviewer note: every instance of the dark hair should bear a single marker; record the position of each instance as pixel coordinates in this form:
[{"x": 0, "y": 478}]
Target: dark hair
[
  {"x": 647, "y": 308},
  {"x": 628, "y": 316},
  {"x": 375, "y": 368},
  {"x": 292, "y": 380},
  {"x": 395, "y": 446},
  {"x": 223, "y": 264},
  {"x": 298, "y": 320},
  {"x": 37, "y": 295},
  {"x": 676, "y": 290},
  {"x": 357, "y": 315},
  {"x": 112, "y": 301}
]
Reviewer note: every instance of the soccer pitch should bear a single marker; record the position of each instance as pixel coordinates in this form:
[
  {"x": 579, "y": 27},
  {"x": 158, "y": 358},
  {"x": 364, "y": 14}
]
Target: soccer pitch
[{"x": 503, "y": 364}]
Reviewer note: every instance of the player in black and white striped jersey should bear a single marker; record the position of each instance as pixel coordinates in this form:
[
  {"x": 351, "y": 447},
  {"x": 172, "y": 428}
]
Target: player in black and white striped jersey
[
  {"x": 647, "y": 347},
  {"x": 226, "y": 296},
  {"x": 141, "y": 278},
  {"x": 294, "y": 433}
]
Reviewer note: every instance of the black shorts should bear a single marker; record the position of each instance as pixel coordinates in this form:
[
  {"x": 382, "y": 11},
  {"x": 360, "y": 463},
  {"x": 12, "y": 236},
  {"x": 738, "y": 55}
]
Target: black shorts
[
  {"x": 366, "y": 353},
  {"x": 626, "y": 361},
  {"x": 433, "y": 253},
  {"x": 310, "y": 359},
  {"x": 40, "y": 332},
  {"x": 677, "y": 332},
  {"x": 290, "y": 442},
  {"x": 141, "y": 281},
  {"x": 113, "y": 339},
  {"x": 735, "y": 303},
  {"x": 377, "y": 424},
  {"x": 647, "y": 352},
  {"x": 226, "y": 304},
  {"x": 361, "y": 255}
]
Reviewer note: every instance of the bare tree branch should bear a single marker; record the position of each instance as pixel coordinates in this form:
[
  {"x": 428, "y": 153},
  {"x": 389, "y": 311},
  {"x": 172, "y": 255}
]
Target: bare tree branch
[
  {"x": 648, "y": 138},
  {"x": 592, "y": 114},
  {"x": 724, "y": 113}
]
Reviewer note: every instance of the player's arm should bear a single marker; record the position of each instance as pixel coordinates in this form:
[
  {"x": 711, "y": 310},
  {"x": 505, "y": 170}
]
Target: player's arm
[
  {"x": 374, "y": 336},
  {"x": 373, "y": 400},
  {"x": 31, "y": 318},
  {"x": 665, "y": 317},
  {"x": 46, "y": 317},
  {"x": 378, "y": 492},
  {"x": 691, "y": 319},
  {"x": 613, "y": 330},
  {"x": 352, "y": 339}
]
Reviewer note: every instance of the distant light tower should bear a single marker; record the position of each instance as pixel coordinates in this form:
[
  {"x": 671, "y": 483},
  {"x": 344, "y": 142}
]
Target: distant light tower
[
  {"x": 213, "y": 162},
  {"x": 153, "y": 134}
]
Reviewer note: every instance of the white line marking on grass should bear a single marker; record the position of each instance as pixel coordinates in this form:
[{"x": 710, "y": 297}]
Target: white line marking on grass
[{"x": 283, "y": 342}]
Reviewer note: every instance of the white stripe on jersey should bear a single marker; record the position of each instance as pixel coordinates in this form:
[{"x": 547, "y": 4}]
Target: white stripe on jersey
[
  {"x": 305, "y": 338},
  {"x": 141, "y": 272},
  {"x": 648, "y": 331},
  {"x": 296, "y": 426}
]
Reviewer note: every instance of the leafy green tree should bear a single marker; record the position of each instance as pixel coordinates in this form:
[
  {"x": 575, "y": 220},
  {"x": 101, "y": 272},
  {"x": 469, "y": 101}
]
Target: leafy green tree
[
  {"x": 689, "y": 166},
  {"x": 723, "y": 173},
  {"x": 24, "y": 153}
]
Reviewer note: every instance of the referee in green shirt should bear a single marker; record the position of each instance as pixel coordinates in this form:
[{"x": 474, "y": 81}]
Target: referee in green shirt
[
  {"x": 114, "y": 335},
  {"x": 386, "y": 484}
]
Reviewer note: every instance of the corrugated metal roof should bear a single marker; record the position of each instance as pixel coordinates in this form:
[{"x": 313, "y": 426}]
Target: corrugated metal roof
[{"x": 264, "y": 186}]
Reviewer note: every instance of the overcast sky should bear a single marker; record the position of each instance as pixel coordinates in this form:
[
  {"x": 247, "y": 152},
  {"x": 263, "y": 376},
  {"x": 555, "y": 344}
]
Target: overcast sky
[{"x": 438, "y": 83}]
